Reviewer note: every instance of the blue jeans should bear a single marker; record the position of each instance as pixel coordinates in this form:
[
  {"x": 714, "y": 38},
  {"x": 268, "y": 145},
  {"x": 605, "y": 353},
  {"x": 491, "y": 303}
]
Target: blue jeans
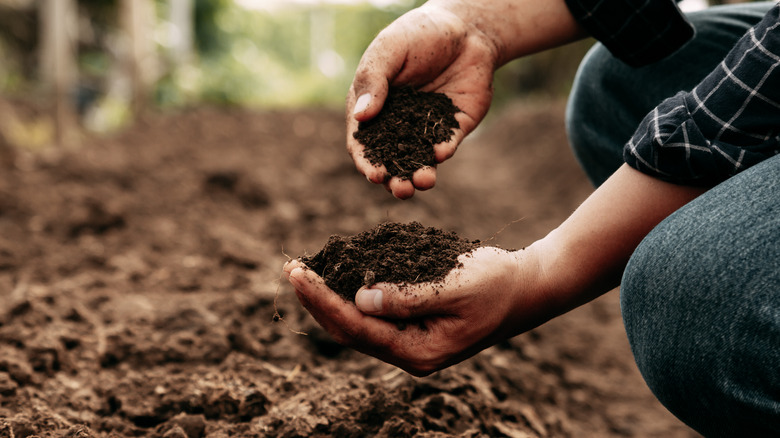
[{"x": 701, "y": 294}]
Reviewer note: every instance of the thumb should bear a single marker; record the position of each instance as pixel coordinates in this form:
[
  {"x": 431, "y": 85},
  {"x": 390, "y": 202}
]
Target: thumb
[
  {"x": 378, "y": 67},
  {"x": 368, "y": 96},
  {"x": 388, "y": 300}
]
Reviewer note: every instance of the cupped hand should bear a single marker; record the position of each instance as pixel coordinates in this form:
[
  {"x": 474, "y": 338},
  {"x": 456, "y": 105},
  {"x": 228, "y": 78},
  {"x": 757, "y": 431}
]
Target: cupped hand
[
  {"x": 425, "y": 327},
  {"x": 432, "y": 49}
]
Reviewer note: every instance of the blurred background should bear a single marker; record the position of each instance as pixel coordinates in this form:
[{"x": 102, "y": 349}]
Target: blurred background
[{"x": 74, "y": 66}]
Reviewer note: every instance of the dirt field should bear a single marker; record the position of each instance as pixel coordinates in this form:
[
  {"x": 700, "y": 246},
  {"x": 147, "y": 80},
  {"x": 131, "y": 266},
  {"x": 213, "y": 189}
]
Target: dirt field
[{"x": 138, "y": 276}]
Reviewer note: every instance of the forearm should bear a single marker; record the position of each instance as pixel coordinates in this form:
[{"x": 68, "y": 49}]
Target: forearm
[
  {"x": 586, "y": 255},
  {"x": 517, "y": 27}
]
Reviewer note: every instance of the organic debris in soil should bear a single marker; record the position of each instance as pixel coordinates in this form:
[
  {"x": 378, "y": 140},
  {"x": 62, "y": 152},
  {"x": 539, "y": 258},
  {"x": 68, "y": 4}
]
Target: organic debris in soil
[
  {"x": 390, "y": 252},
  {"x": 403, "y": 134}
]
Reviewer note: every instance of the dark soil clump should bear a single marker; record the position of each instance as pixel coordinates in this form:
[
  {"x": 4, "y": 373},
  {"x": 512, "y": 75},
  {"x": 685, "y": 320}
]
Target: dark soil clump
[
  {"x": 390, "y": 252},
  {"x": 402, "y": 136}
]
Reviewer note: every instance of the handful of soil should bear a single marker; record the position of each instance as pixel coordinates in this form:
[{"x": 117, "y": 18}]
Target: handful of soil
[
  {"x": 390, "y": 252},
  {"x": 403, "y": 134}
]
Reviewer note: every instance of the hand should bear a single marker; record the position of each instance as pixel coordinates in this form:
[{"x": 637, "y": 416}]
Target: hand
[
  {"x": 432, "y": 49},
  {"x": 425, "y": 327},
  {"x": 497, "y": 294}
]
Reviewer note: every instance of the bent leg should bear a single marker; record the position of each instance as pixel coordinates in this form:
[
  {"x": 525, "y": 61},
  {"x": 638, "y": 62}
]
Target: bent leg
[
  {"x": 609, "y": 98},
  {"x": 701, "y": 304}
]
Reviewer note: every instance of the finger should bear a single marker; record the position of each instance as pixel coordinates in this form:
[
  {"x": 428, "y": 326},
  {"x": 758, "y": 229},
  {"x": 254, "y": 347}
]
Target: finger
[
  {"x": 376, "y": 174},
  {"x": 406, "y": 345},
  {"x": 292, "y": 264},
  {"x": 348, "y": 325},
  {"x": 371, "y": 83},
  {"x": 424, "y": 178},
  {"x": 362, "y": 104},
  {"x": 289, "y": 266},
  {"x": 390, "y": 300},
  {"x": 378, "y": 66},
  {"x": 328, "y": 308},
  {"x": 370, "y": 100},
  {"x": 472, "y": 93},
  {"x": 444, "y": 151},
  {"x": 402, "y": 188},
  {"x": 468, "y": 121}
]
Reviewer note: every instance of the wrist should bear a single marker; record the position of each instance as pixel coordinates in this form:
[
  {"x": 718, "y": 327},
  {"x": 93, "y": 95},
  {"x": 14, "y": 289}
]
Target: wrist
[
  {"x": 586, "y": 255},
  {"x": 533, "y": 292},
  {"x": 516, "y": 28},
  {"x": 565, "y": 276}
]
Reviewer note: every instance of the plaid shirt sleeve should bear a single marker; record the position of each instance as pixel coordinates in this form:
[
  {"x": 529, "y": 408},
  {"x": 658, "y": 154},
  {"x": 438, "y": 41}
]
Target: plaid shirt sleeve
[
  {"x": 638, "y": 32},
  {"x": 727, "y": 123}
]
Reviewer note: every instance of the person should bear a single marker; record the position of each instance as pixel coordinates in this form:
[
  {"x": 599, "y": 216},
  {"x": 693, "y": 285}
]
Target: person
[{"x": 676, "y": 120}]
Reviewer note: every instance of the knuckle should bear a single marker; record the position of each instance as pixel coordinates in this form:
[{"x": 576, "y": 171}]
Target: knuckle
[
  {"x": 359, "y": 338},
  {"x": 422, "y": 368},
  {"x": 341, "y": 339},
  {"x": 420, "y": 361}
]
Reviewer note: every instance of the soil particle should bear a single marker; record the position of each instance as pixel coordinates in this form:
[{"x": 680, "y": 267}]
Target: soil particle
[
  {"x": 402, "y": 136},
  {"x": 390, "y": 252}
]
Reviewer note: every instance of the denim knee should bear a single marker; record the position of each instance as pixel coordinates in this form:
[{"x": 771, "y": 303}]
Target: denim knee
[
  {"x": 701, "y": 310},
  {"x": 694, "y": 366}
]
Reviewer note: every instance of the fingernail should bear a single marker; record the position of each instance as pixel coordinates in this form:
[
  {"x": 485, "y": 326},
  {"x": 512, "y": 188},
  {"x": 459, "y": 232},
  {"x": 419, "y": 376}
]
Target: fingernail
[
  {"x": 369, "y": 300},
  {"x": 362, "y": 103},
  {"x": 295, "y": 276}
]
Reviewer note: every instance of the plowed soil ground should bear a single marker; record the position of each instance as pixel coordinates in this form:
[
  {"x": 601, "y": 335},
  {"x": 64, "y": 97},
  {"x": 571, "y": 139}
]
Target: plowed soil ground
[{"x": 138, "y": 276}]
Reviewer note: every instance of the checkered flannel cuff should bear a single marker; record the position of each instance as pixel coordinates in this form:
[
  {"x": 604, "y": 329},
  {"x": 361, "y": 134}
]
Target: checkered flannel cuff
[
  {"x": 638, "y": 32},
  {"x": 726, "y": 124}
]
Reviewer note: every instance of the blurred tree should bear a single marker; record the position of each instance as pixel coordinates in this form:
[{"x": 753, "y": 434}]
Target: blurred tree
[
  {"x": 137, "y": 52},
  {"x": 210, "y": 38},
  {"x": 57, "y": 65},
  {"x": 18, "y": 39},
  {"x": 181, "y": 39},
  {"x": 290, "y": 54}
]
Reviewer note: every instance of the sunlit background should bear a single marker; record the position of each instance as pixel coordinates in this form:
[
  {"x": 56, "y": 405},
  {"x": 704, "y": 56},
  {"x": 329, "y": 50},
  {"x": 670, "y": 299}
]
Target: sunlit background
[{"x": 96, "y": 63}]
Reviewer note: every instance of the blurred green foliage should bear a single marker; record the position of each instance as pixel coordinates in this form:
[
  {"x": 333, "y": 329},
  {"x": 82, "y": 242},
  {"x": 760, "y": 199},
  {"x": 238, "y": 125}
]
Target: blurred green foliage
[
  {"x": 545, "y": 75},
  {"x": 209, "y": 37},
  {"x": 258, "y": 58},
  {"x": 263, "y": 58},
  {"x": 288, "y": 57}
]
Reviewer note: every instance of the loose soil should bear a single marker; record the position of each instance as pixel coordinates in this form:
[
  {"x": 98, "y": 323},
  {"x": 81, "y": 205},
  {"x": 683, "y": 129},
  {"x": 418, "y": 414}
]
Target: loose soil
[
  {"x": 402, "y": 136},
  {"x": 138, "y": 276},
  {"x": 390, "y": 252}
]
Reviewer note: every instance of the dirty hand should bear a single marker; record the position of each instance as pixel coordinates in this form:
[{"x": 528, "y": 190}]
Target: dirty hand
[
  {"x": 426, "y": 327},
  {"x": 433, "y": 49}
]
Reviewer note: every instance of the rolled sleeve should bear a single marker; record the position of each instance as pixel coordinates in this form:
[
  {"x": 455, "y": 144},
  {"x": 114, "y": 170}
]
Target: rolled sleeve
[
  {"x": 727, "y": 123},
  {"x": 638, "y": 32}
]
